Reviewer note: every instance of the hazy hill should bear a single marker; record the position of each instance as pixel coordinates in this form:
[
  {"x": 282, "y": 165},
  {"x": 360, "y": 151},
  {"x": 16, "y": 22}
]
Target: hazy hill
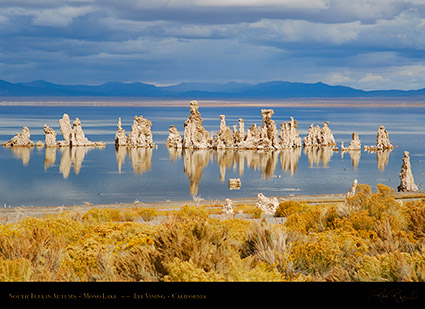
[{"x": 273, "y": 89}]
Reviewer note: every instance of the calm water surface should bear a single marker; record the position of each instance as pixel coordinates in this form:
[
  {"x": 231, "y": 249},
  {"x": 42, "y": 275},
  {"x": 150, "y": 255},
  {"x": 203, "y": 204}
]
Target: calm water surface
[{"x": 43, "y": 177}]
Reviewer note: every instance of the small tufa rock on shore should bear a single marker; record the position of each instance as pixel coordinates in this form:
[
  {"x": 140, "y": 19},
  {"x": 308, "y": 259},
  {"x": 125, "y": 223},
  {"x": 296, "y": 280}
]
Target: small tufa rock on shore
[
  {"x": 227, "y": 209},
  {"x": 407, "y": 183},
  {"x": 353, "y": 189},
  {"x": 21, "y": 139},
  {"x": 267, "y": 205}
]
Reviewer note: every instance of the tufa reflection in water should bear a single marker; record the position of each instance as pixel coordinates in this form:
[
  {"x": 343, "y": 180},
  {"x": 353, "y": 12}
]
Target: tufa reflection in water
[
  {"x": 141, "y": 158},
  {"x": 195, "y": 161},
  {"x": 265, "y": 161}
]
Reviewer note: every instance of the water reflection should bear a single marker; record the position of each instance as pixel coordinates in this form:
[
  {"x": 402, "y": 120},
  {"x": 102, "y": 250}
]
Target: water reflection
[
  {"x": 49, "y": 157},
  {"x": 354, "y": 155},
  {"x": 73, "y": 156},
  {"x": 382, "y": 157},
  {"x": 194, "y": 163},
  {"x": 22, "y": 153},
  {"x": 289, "y": 160},
  {"x": 264, "y": 161},
  {"x": 318, "y": 155},
  {"x": 141, "y": 158}
]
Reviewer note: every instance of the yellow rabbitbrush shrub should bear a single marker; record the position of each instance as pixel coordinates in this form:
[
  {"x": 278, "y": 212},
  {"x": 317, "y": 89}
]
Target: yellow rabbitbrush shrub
[
  {"x": 370, "y": 237},
  {"x": 15, "y": 270}
]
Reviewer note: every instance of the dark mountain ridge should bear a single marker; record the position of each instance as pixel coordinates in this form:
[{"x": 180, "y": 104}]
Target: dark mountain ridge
[{"x": 272, "y": 89}]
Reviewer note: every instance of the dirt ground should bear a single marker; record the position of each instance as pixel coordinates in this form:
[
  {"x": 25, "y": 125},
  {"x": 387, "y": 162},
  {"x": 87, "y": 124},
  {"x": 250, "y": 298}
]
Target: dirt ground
[{"x": 12, "y": 214}]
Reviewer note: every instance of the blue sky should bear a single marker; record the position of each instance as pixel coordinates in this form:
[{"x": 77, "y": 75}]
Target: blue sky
[{"x": 366, "y": 44}]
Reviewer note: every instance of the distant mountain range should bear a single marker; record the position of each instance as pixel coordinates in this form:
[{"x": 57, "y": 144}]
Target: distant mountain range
[{"x": 270, "y": 90}]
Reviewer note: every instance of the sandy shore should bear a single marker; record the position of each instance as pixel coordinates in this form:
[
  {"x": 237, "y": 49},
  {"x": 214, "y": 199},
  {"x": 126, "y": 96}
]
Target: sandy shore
[
  {"x": 12, "y": 214},
  {"x": 166, "y": 102}
]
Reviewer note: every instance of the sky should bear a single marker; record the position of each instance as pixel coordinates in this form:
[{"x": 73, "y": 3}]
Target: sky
[{"x": 365, "y": 44}]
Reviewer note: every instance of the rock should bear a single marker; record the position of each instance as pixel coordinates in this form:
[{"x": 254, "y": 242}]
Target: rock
[
  {"x": 120, "y": 137},
  {"x": 407, "y": 183},
  {"x": 270, "y": 134},
  {"x": 234, "y": 183},
  {"x": 354, "y": 144},
  {"x": 313, "y": 137},
  {"x": 227, "y": 207},
  {"x": 383, "y": 140},
  {"x": 39, "y": 144},
  {"x": 289, "y": 136},
  {"x": 327, "y": 138},
  {"x": 239, "y": 134},
  {"x": 353, "y": 189},
  {"x": 74, "y": 136},
  {"x": 66, "y": 130},
  {"x": 174, "y": 139},
  {"x": 195, "y": 136},
  {"x": 224, "y": 135},
  {"x": 21, "y": 139},
  {"x": 252, "y": 138},
  {"x": 317, "y": 136},
  {"x": 267, "y": 205},
  {"x": 50, "y": 136},
  {"x": 140, "y": 134}
]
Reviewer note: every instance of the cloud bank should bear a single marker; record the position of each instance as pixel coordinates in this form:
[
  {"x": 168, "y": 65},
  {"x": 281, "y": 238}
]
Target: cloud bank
[{"x": 377, "y": 44}]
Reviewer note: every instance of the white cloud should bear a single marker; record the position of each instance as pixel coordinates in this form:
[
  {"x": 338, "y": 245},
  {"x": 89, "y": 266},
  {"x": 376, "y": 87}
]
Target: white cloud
[
  {"x": 304, "y": 31},
  {"x": 372, "y": 78},
  {"x": 338, "y": 79},
  {"x": 60, "y": 17}
]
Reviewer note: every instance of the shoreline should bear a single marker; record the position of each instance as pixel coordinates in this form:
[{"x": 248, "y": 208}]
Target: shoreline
[
  {"x": 393, "y": 102},
  {"x": 13, "y": 214}
]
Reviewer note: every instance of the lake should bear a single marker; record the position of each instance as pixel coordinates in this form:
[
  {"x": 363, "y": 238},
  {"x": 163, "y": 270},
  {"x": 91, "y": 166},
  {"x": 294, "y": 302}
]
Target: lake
[{"x": 63, "y": 176}]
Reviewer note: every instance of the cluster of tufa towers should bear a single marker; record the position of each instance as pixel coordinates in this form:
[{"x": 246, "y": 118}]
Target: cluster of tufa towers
[{"x": 195, "y": 136}]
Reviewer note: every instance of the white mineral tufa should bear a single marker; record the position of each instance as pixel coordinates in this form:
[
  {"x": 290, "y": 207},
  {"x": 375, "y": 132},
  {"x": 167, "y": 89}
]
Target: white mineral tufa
[
  {"x": 289, "y": 136},
  {"x": 353, "y": 189},
  {"x": 317, "y": 136},
  {"x": 174, "y": 139},
  {"x": 227, "y": 207},
  {"x": 382, "y": 141},
  {"x": 140, "y": 134},
  {"x": 267, "y": 205},
  {"x": 407, "y": 183},
  {"x": 270, "y": 134},
  {"x": 234, "y": 183},
  {"x": 21, "y": 139},
  {"x": 50, "y": 136},
  {"x": 120, "y": 137},
  {"x": 224, "y": 137},
  {"x": 66, "y": 130},
  {"x": 195, "y": 136},
  {"x": 327, "y": 138},
  {"x": 74, "y": 136},
  {"x": 354, "y": 144}
]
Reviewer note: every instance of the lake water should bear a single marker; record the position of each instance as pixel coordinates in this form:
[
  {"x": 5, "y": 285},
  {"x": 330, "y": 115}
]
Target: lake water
[{"x": 47, "y": 177}]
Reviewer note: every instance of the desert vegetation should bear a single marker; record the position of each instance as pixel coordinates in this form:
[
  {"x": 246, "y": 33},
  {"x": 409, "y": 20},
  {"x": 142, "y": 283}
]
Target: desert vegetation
[{"x": 369, "y": 237}]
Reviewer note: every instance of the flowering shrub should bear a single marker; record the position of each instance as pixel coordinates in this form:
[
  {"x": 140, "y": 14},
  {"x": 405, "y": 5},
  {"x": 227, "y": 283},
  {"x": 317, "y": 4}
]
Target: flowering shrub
[{"x": 369, "y": 237}]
